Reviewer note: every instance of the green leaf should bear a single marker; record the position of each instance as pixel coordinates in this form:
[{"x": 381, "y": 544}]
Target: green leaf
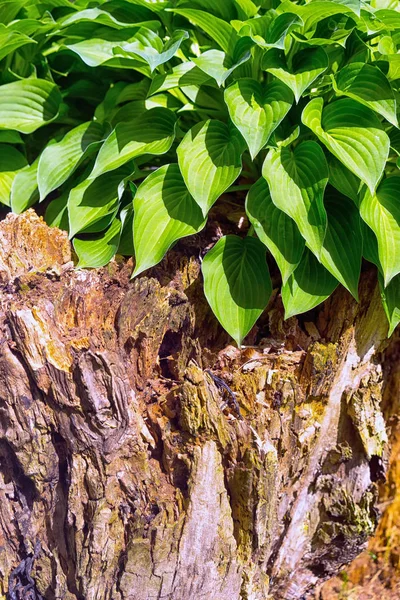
[
  {"x": 126, "y": 247},
  {"x": 307, "y": 65},
  {"x": 56, "y": 214},
  {"x": 274, "y": 228},
  {"x": 353, "y": 133},
  {"x": 151, "y": 133},
  {"x": 186, "y": 73},
  {"x": 28, "y": 104},
  {"x": 257, "y": 109},
  {"x": 343, "y": 244},
  {"x": 148, "y": 46},
  {"x": 95, "y": 52},
  {"x": 237, "y": 284},
  {"x": 313, "y": 12},
  {"x": 11, "y": 161},
  {"x": 270, "y": 30},
  {"x": 343, "y": 180},
  {"x": 297, "y": 182},
  {"x": 10, "y": 137},
  {"x": 58, "y": 161},
  {"x": 381, "y": 212},
  {"x": 98, "y": 249},
  {"x": 220, "y": 31},
  {"x": 92, "y": 200},
  {"x": 391, "y": 301},
  {"x": 210, "y": 160},
  {"x": 307, "y": 287},
  {"x": 24, "y": 189},
  {"x": 368, "y": 85},
  {"x": 164, "y": 212},
  {"x": 93, "y": 15},
  {"x": 219, "y": 65},
  {"x": 11, "y": 41}
]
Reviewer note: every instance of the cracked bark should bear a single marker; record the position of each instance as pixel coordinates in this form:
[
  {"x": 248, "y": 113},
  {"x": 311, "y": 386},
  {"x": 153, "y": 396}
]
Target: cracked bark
[{"x": 116, "y": 456}]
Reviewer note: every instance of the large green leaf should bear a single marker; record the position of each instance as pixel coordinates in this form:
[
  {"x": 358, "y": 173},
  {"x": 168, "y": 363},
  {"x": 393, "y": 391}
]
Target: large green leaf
[
  {"x": 218, "y": 65},
  {"x": 391, "y": 301},
  {"x": 237, "y": 284},
  {"x": 353, "y": 133},
  {"x": 343, "y": 180},
  {"x": 58, "y": 161},
  {"x": 297, "y": 182},
  {"x": 149, "y": 47},
  {"x": 11, "y": 41},
  {"x": 164, "y": 212},
  {"x": 368, "y": 85},
  {"x": 270, "y": 30},
  {"x": 11, "y": 162},
  {"x": 28, "y": 104},
  {"x": 307, "y": 65},
  {"x": 274, "y": 228},
  {"x": 153, "y": 132},
  {"x": 257, "y": 109},
  {"x": 24, "y": 189},
  {"x": 381, "y": 212},
  {"x": 186, "y": 73},
  {"x": 209, "y": 158},
  {"x": 98, "y": 249},
  {"x": 94, "y": 199},
  {"x": 343, "y": 244},
  {"x": 308, "y": 286},
  {"x": 94, "y": 15},
  {"x": 220, "y": 31},
  {"x": 313, "y": 12}
]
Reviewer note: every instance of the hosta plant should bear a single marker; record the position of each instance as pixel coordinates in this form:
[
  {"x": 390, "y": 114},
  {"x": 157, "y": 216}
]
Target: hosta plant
[{"x": 130, "y": 119}]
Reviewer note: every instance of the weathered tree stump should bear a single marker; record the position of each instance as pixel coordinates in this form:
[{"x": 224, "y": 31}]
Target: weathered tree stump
[{"x": 117, "y": 462}]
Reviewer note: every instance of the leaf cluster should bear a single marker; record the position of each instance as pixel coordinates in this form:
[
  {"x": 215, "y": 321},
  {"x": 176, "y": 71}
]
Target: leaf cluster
[{"x": 129, "y": 119}]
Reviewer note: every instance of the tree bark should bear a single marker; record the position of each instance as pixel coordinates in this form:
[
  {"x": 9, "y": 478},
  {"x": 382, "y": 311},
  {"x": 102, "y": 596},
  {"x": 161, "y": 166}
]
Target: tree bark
[{"x": 121, "y": 475}]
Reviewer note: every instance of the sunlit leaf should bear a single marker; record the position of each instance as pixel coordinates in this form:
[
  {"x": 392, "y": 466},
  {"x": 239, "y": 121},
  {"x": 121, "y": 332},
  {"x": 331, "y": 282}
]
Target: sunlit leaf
[{"x": 98, "y": 249}]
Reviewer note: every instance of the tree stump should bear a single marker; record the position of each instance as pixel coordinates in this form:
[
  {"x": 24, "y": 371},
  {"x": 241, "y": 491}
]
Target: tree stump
[{"x": 126, "y": 472}]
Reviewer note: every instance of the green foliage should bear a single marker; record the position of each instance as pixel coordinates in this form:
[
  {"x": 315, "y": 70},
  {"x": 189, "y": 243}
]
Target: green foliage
[{"x": 130, "y": 119}]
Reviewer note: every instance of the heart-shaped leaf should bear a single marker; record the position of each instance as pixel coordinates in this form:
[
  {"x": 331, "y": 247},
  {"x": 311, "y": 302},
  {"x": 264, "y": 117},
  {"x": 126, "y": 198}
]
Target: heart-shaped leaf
[
  {"x": 297, "y": 182},
  {"x": 257, "y": 109},
  {"x": 27, "y": 104},
  {"x": 66, "y": 156},
  {"x": 98, "y": 249},
  {"x": 381, "y": 212},
  {"x": 343, "y": 244},
  {"x": 210, "y": 159},
  {"x": 219, "y": 65},
  {"x": 308, "y": 286},
  {"x": 274, "y": 228},
  {"x": 153, "y": 132},
  {"x": 368, "y": 85},
  {"x": 353, "y": 133},
  {"x": 164, "y": 212},
  {"x": 237, "y": 284},
  {"x": 307, "y": 65}
]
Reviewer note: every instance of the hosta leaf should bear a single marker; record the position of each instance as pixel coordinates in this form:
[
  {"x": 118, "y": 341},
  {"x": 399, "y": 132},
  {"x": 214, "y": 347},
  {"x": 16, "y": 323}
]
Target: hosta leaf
[
  {"x": 24, "y": 189},
  {"x": 274, "y": 228},
  {"x": 353, "y": 5},
  {"x": 93, "y": 14},
  {"x": 343, "y": 180},
  {"x": 313, "y": 12},
  {"x": 237, "y": 284},
  {"x": 96, "y": 51},
  {"x": 58, "y": 161},
  {"x": 257, "y": 109},
  {"x": 381, "y": 212},
  {"x": 186, "y": 73},
  {"x": 307, "y": 287},
  {"x": 353, "y": 133},
  {"x": 270, "y": 30},
  {"x": 343, "y": 244},
  {"x": 297, "y": 182},
  {"x": 11, "y": 161},
  {"x": 218, "y": 65},
  {"x": 10, "y": 137},
  {"x": 126, "y": 247},
  {"x": 210, "y": 159},
  {"x": 92, "y": 200},
  {"x": 98, "y": 249},
  {"x": 368, "y": 85},
  {"x": 164, "y": 212},
  {"x": 220, "y": 31},
  {"x": 12, "y": 40},
  {"x": 56, "y": 214},
  {"x": 391, "y": 301},
  {"x": 153, "y": 132},
  {"x": 148, "y": 46},
  {"x": 28, "y": 104},
  {"x": 307, "y": 65}
]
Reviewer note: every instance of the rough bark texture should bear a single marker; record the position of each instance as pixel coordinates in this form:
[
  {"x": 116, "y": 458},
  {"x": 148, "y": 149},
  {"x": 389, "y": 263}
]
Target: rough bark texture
[{"x": 119, "y": 472}]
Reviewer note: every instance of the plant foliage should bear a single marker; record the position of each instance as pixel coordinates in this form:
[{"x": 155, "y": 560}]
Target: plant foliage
[{"x": 130, "y": 119}]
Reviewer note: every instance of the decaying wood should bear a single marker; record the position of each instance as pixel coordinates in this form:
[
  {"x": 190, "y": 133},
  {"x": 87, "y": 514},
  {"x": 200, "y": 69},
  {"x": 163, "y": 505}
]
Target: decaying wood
[{"x": 115, "y": 455}]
